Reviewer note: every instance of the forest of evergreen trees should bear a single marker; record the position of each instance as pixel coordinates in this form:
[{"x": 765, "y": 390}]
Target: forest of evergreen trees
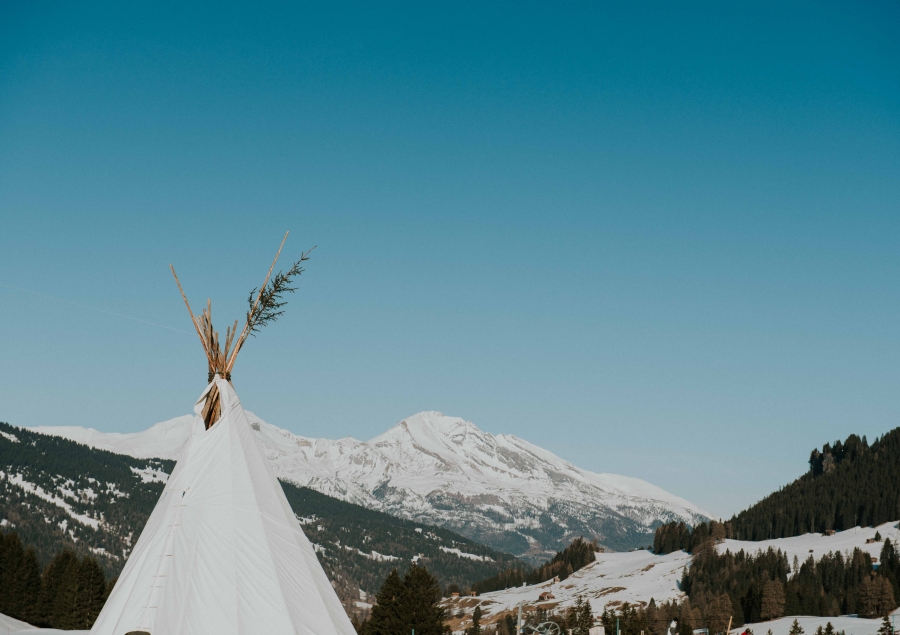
[
  {"x": 578, "y": 554},
  {"x": 404, "y": 605},
  {"x": 764, "y": 586},
  {"x": 68, "y": 594},
  {"x": 848, "y": 484}
]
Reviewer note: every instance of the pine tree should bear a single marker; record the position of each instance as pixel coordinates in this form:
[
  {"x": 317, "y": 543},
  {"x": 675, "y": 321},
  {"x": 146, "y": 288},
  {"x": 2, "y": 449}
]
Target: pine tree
[
  {"x": 476, "y": 622},
  {"x": 890, "y": 565},
  {"x": 772, "y": 600},
  {"x": 29, "y": 582},
  {"x": 57, "y": 590},
  {"x": 885, "y": 628},
  {"x": 796, "y": 629},
  {"x": 91, "y": 593},
  {"x": 421, "y": 594},
  {"x": 387, "y": 614},
  {"x": 586, "y": 617},
  {"x": 11, "y": 556}
]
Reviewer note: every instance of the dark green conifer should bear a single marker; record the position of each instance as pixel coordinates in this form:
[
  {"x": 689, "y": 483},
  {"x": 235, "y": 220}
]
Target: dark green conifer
[
  {"x": 388, "y": 613},
  {"x": 59, "y": 591},
  {"x": 475, "y": 629},
  {"x": 29, "y": 584},
  {"x": 421, "y": 594},
  {"x": 91, "y": 593}
]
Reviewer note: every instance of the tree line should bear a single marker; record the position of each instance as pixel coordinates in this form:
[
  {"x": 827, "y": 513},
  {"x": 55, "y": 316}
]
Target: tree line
[
  {"x": 578, "y": 554},
  {"x": 764, "y": 586},
  {"x": 848, "y": 484},
  {"x": 68, "y": 594}
]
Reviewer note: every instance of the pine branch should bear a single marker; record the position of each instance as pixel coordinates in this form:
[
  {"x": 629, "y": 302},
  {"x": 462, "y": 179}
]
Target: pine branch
[{"x": 271, "y": 300}]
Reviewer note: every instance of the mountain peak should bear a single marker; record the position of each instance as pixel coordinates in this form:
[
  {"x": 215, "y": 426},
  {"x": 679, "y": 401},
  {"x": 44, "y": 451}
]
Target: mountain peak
[
  {"x": 444, "y": 470},
  {"x": 431, "y": 422}
]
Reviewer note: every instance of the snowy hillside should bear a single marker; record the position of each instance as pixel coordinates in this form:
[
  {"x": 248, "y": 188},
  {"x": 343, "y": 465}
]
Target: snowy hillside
[
  {"x": 497, "y": 489},
  {"x": 638, "y": 576}
]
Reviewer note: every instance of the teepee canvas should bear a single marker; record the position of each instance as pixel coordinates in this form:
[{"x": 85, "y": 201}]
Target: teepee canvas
[{"x": 222, "y": 552}]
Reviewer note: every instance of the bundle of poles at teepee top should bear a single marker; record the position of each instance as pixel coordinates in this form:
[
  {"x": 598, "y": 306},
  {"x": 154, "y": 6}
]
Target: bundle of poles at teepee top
[{"x": 265, "y": 307}]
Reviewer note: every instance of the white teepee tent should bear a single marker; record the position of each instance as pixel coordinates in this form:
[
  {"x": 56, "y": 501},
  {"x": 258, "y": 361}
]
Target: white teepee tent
[{"x": 222, "y": 552}]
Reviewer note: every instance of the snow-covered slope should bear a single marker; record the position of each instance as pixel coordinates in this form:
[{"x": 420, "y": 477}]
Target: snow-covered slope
[
  {"x": 638, "y": 576},
  {"x": 9, "y": 624},
  {"x": 497, "y": 489}
]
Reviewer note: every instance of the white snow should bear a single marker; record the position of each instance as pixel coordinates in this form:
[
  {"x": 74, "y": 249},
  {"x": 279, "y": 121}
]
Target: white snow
[
  {"x": 151, "y": 475},
  {"x": 373, "y": 555},
  {"x": 9, "y": 624},
  {"x": 112, "y": 489},
  {"x": 638, "y": 576},
  {"x": 850, "y": 625},
  {"x": 431, "y": 455},
  {"x": 9, "y": 436},
  {"x": 817, "y": 545},
  {"x": 470, "y": 556},
  {"x": 16, "y": 479}
]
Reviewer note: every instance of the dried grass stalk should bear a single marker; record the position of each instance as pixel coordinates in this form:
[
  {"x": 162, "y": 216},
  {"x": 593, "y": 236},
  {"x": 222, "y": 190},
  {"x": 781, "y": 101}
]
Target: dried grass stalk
[{"x": 265, "y": 309}]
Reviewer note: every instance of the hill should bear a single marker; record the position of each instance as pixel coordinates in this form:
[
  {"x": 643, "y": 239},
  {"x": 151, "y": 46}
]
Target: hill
[
  {"x": 848, "y": 484},
  {"x": 56, "y": 493},
  {"x": 637, "y": 580}
]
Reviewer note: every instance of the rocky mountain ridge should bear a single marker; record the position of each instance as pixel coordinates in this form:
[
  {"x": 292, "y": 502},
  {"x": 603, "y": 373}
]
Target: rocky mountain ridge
[{"x": 499, "y": 490}]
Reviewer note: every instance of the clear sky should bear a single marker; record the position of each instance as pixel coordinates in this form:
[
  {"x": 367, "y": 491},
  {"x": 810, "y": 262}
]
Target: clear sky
[{"x": 658, "y": 239}]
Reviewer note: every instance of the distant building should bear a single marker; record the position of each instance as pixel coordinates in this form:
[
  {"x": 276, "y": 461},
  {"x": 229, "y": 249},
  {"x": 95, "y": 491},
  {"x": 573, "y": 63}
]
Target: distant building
[
  {"x": 829, "y": 532},
  {"x": 546, "y": 595},
  {"x": 455, "y": 594},
  {"x": 597, "y": 630}
]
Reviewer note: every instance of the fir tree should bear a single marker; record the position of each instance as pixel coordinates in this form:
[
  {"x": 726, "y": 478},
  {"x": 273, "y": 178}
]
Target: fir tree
[
  {"x": 586, "y": 617},
  {"x": 886, "y": 628},
  {"x": 421, "y": 594},
  {"x": 29, "y": 585},
  {"x": 91, "y": 590},
  {"x": 387, "y": 614},
  {"x": 796, "y": 629},
  {"x": 476, "y": 622},
  {"x": 772, "y": 600},
  {"x": 57, "y": 590},
  {"x": 19, "y": 578}
]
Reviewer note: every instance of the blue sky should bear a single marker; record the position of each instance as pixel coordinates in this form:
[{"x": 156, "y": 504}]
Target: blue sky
[{"x": 658, "y": 240}]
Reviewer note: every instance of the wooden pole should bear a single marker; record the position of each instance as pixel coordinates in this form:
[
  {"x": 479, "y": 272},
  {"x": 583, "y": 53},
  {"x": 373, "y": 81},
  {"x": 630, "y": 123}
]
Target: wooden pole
[{"x": 191, "y": 313}]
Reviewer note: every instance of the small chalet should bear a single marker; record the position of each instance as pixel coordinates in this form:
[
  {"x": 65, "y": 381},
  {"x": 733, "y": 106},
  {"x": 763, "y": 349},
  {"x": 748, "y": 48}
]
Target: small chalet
[
  {"x": 546, "y": 595},
  {"x": 455, "y": 594}
]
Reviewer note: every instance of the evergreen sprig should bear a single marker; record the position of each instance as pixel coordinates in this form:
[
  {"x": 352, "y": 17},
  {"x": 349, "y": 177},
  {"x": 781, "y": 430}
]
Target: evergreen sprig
[{"x": 269, "y": 306}]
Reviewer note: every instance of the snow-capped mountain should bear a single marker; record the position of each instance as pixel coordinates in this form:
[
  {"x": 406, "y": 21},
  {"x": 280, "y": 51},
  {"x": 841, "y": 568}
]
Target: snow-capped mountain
[{"x": 497, "y": 489}]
